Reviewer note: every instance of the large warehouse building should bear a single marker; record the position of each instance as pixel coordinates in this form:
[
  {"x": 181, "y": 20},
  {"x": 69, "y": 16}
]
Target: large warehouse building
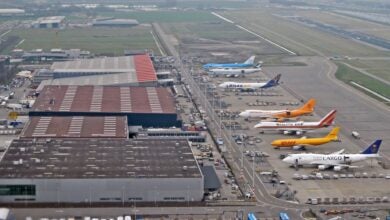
[
  {"x": 85, "y": 171},
  {"x": 135, "y": 70},
  {"x": 145, "y": 106},
  {"x": 76, "y": 127}
]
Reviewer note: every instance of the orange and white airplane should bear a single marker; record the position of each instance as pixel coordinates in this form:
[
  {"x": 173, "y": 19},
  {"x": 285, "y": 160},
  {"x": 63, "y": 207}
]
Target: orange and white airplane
[
  {"x": 306, "y": 109},
  {"x": 301, "y": 143},
  {"x": 298, "y": 127}
]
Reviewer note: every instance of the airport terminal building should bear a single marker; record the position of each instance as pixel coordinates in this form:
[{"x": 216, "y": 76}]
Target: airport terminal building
[{"x": 89, "y": 171}]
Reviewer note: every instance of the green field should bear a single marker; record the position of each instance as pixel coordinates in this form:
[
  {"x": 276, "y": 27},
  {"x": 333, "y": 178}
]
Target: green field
[
  {"x": 108, "y": 41},
  {"x": 163, "y": 16},
  {"x": 346, "y": 74},
  {"x": 213, "y": 31},
  {"x": 380, "y": 68},
  {"x": 299, "y": 38}
]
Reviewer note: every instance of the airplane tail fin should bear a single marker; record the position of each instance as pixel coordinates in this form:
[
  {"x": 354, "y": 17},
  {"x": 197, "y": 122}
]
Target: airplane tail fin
[
  {"x": 273, "y": 82},
  {"x": 251, "y": 60},
  {"x": 373, "y": 148},
  {"x": 333, "y": 134},
  {"x": 328, "y": 119},
  {"x": 309, "y": 106}
]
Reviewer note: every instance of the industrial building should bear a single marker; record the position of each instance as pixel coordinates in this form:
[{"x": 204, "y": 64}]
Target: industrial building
[
  {"x": 49, "y": 22},
  {"x": 54, "y": 54},
  {"x": 144, "y": 106},
  {"x": 96, "y": 170},
  {"x": 76, "y": 127},
  {"x": 115, "y": 23},
  {"x": 126, "y": 70}
]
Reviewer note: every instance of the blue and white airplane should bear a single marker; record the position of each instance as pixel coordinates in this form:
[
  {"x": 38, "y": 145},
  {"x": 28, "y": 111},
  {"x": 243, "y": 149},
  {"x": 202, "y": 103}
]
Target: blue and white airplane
[
  {"x": 248, "y": 63},
  {"x": 337, "y": 160},
  {"x": 251, "y": 86}
]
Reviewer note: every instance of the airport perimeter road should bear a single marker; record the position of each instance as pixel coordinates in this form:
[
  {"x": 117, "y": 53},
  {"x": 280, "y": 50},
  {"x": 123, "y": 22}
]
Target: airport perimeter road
[{"x": 355, "y": 110}]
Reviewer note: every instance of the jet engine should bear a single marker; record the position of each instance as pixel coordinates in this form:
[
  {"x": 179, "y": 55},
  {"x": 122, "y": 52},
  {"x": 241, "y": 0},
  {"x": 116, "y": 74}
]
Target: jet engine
[
  {"x": 297, "y": 147},
  {"x": 337, "y": 168},
  {"x": 322, "y": 167}
]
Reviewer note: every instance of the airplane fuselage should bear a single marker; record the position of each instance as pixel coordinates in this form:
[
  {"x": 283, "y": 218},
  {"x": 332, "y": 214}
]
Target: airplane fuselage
[
  {"x": 330, "y": 159},
  {"x": 296, "y": 142},
  {"x": 226, "y": 65},
  {"x": 268, "y": 125}
]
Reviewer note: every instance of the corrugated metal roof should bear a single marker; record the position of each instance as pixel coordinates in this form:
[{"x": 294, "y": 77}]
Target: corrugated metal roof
[
  {"x": 105, "y": 99},
  {"x": 76, "y": 127},
  {"x": 140, "y": 66},
  {"x": 98, "y": 158},
  {"x": 144, "y": 68}
]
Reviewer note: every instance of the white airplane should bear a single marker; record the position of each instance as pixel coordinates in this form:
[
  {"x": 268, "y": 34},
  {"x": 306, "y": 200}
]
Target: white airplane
[
  {"x": 233, "y": 72},
  {"x": 251, "y": 86},
  {"x": 299, "y": 127},
  {"x": 337, "y": 160}
]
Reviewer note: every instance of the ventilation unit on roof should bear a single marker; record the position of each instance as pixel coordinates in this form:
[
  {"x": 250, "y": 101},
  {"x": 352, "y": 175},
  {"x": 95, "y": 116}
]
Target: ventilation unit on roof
[{"x": 185, "y": 168}]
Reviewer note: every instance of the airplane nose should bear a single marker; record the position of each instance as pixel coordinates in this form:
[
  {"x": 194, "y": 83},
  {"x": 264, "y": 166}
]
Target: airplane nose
[
  {"x": 257, "y": 125},
  {"x": 287, "y": 159},
  {"x": 243, "y": 114}
]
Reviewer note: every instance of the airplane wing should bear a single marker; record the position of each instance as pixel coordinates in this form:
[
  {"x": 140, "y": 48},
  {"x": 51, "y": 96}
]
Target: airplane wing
[{"x": 327, "y": 165}]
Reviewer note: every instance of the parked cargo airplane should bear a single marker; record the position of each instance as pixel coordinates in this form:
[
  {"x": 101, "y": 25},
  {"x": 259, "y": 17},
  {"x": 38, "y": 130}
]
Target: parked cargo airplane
[
  {"x": 301, "y": 143},
  {"x": 233, "y": 72},
  {"x": 336, "y": 160},
  {"x": 248, "y": 63},
  {"x": 306, "y": 109},
  {"x": 251, "y": 86},
  {"x": 297, "y": 127}
]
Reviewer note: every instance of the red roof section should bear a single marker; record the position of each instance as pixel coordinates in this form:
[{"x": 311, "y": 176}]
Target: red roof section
[
  {"x": 76, "y": 127},
  {"x": 144, "y": 68},
  {"x": 108, "y": 99}
]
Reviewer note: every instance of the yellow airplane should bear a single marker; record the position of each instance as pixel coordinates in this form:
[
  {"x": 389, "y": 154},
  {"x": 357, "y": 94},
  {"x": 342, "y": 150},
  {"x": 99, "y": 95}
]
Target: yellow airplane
[
  {"x": 306, "y": 109},
  {"x": 301, "y": 143}
]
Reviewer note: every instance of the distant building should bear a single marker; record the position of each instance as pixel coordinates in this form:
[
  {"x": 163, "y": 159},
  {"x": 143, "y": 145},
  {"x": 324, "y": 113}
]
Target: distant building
[
  {"x": 49, "y": 22},
  {"x": 115, "y": 23},
  {"x": 11, "y": 11},
  {"x": 54, "y": 54}
]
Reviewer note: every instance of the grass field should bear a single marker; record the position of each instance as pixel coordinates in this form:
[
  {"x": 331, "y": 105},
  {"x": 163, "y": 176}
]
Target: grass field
[
  {"x": 346, "y": 74},
  {"x": 380, "y": 68},
  {"x": 214, "y": 31},
  {"x": 110, "y": 41},
  {"x": 299, "y": 38},
  {"x": 164, "y": 16},
  {"x": 346, "y": 22}
]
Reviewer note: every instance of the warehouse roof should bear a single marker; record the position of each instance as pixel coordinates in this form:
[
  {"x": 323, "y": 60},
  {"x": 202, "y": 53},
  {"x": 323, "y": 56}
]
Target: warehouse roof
[
  {"x": 140, "y": 66},
  {"x": 106, "y": 99},
  {"x": 76, "y": 127},
  {"x": 52, "y": 19},
  {"x": 98, "y": 80},
  {"x": 98, "y": 158}
]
